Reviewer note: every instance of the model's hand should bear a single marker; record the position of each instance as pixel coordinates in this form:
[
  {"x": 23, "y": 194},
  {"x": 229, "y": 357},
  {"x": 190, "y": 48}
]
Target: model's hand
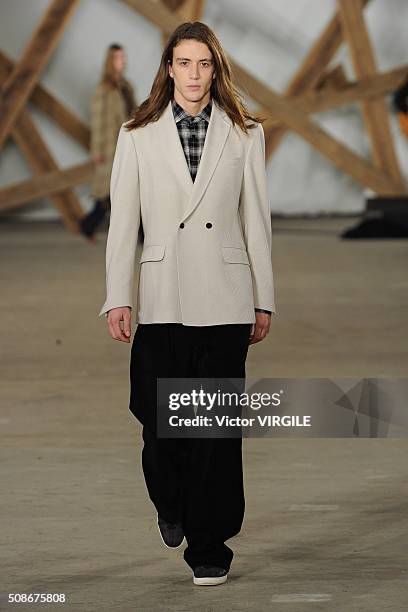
[
  {"x": 115, "y": 317},
  {"x": 98, "y": 159},
  {"x": 260, "y": 328}
]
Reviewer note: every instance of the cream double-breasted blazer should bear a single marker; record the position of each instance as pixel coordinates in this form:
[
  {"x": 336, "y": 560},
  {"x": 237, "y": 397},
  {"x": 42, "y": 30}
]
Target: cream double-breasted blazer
[{"x": 206, "y": 252}]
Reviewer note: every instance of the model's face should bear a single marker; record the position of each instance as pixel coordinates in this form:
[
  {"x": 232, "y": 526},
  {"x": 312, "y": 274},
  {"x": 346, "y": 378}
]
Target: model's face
[
  {"x": 119, "y": 60},
  {"x": 192, "y": 70}
]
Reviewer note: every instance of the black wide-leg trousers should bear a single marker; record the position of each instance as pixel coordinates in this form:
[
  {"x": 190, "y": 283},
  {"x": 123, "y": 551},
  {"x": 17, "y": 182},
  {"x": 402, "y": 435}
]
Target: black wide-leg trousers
[{"x": 198, "y": 481}]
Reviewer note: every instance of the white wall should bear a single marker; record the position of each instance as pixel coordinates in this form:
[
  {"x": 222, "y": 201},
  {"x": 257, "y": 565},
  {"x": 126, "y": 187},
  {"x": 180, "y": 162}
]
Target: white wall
[{"x": 269, "y": 37}]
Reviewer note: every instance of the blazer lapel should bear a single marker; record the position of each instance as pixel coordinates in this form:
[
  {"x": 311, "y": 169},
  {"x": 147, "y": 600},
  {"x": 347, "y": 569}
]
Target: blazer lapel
[
  {"x": 173, "y": 149},
  {"x": 216, "y": 136}
]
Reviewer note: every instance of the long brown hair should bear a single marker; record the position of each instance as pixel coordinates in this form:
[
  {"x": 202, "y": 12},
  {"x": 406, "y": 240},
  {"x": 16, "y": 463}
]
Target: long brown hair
[
  {"x": 110, "y": 79},
  {"x": 222, "y": 90}
]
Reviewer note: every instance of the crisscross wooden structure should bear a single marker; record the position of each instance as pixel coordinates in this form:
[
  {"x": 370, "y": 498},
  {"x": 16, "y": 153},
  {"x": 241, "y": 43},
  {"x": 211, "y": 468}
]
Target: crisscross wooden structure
[{"x": 313, "y": 88}]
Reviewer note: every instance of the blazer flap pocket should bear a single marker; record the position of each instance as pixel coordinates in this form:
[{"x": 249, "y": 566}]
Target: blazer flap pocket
[
  {"x": 235, "y": 255},
  {"x": 153, "y": 252}
]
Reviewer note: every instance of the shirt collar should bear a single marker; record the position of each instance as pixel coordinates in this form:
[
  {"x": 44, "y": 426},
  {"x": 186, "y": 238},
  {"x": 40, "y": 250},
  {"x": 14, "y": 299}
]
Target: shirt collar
[{"x": 179, "y": 113}]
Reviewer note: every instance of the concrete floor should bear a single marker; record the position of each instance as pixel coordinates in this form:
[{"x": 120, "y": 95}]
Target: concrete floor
[{"x": 326, "y": 519}]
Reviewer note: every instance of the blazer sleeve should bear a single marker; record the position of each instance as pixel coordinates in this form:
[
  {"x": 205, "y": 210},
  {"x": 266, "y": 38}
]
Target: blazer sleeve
[
  {"x": 255, "y": 217},
  {"x": 124, "y": 224}
]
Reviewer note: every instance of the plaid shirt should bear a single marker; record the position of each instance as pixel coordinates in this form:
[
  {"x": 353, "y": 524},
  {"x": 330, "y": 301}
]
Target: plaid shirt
[{"x": 192, "y": 132}]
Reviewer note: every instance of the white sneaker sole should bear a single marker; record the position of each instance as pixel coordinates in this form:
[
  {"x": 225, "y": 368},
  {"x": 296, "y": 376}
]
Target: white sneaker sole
[{"x": 210, "y": 580}]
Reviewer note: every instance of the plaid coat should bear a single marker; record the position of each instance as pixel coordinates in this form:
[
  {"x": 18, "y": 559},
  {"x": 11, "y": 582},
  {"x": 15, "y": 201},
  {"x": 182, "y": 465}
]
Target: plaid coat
[{"x": 108, "y": 112}]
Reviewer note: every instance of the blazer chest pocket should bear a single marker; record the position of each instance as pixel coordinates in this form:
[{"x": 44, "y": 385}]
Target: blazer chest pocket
[
  {"x": 152, "y": 252},
  {"x": 235, "y": 255}
]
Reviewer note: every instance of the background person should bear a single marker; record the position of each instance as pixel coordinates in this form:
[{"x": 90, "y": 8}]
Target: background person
[{"x": 112, "y": 103}]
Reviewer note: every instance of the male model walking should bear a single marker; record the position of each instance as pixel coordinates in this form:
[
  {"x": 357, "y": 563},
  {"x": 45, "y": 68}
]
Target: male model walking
[{"x": 189, "y": 169}]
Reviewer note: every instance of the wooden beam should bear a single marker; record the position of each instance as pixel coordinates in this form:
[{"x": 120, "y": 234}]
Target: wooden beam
[
  {"x": 172, "y": 6},
  {"x": 290, "y": 113},
  {"x": 38, "y": 156},
  {"x": 333, "y": 78},
  {"x": 191, "y": 10},
  {"x": 52, "y": 108},
  {"x": 187, "y": 10},
  {"x": 374, "y": 110},
  {"x": 46, "y": 184},
  {"x": 354, "y": 91},
  {"x": 155, "y": 12},
  {"x": 309, "y": 72},
  {"x": 33, "y": 147},
  {"x": 199, "y": 9},
  {"x": 18, "y": 86}
]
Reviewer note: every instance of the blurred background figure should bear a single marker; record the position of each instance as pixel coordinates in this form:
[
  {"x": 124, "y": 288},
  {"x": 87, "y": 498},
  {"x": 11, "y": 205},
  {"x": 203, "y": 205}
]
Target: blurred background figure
[
  {"x": 112, "y": 103},
  {"x": 401, "y": 105}
]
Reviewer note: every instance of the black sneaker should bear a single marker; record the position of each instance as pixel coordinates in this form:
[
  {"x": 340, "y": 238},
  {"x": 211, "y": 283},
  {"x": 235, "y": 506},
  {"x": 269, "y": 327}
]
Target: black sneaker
[
  {"x": 209, "y": 575},
  {"x": 171, "y": 533}
]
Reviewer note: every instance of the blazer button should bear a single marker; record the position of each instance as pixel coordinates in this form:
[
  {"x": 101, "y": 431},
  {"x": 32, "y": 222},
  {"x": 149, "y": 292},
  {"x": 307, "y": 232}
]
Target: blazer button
[
  {"x": 181, "y": 225},
  {"x": 208, "y": 225}
]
